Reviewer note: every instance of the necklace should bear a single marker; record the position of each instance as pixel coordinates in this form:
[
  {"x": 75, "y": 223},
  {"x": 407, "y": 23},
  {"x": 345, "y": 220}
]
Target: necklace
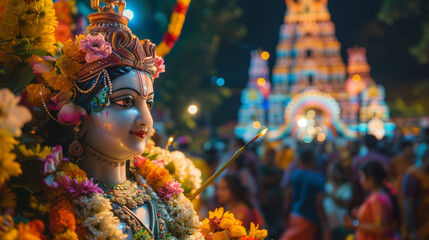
[
  {"x": 127, "y": 193},
  {"x": 92, "y": 153}
]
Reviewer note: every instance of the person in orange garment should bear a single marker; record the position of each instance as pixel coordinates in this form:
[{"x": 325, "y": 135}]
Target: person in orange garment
[{"x": 376, "y": 217}]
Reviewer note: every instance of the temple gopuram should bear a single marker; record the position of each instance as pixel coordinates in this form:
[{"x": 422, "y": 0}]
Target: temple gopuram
[{"x": 312, "y": 95}]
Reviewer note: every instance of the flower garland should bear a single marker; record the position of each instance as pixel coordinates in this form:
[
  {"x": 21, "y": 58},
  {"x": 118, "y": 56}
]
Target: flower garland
[
  {"x": 174, "y": 28},
  {"x": 176, "y": 209},
  {"x": 223, "y": 225},
  {"x": 179, "y": 166}
]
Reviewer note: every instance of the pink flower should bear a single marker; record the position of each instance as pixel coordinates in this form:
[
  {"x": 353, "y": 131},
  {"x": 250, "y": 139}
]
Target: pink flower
[
  {"x": 59, "y": 100},
  {"x": 173, "y": 187},
  {"x": 85, "y": 187},
  {"x": 53, "y": 159},
  {"x": 42, "y": 66},
  {"x": 139, "y": 161},
  {"x": 70, "y": 113},
  {"x": 51, "y": 162},
  {"x": 95, "y": 47},
  {"x": 159, "y": 163},
  {"x": 160, "y": 67}
]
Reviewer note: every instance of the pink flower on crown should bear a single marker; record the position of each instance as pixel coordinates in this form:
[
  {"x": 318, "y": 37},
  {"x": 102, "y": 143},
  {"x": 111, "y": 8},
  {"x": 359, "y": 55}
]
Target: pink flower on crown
[
  {"x": 95, "y": 47},
  {"x": 160, "y": 67},
  {"x": 173, "y": 187}
]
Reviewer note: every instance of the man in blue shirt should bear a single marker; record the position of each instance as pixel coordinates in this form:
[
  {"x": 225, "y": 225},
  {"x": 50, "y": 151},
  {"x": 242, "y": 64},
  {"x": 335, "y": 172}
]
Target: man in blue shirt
[{"x": 306, "y": 188}]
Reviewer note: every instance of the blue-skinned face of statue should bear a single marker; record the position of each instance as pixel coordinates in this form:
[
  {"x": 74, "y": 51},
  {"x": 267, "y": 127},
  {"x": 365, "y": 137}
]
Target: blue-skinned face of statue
[{"x": 121, "y": 129}]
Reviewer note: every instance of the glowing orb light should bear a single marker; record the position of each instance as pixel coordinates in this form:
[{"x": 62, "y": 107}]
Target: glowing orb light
[
  {"x": 220, "y": 82},
  {"x": 192, "y": 109},
  {"x": 261, "y": 81},
  {"x": 256, "y": 124},
  {"x": 356, "y": 78},
  {"x": 265, "y": 55},
  {"x": 302, "y": 122},
  {"x": 321, "y": 137},
  {"x": 129, "y": 14}
]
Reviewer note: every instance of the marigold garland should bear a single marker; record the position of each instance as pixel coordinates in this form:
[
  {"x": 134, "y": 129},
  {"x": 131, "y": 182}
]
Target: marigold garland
[
  {"x": 62, "y": 218},
  {"x": 33, "y": 91},
  {"x": 174, "y": 28},
  {"x": 57, "y": 81},
  {"x": 68, "y": 66},
  {"x": 72, "y": 50},
  {"x": 72, "y": 171}
]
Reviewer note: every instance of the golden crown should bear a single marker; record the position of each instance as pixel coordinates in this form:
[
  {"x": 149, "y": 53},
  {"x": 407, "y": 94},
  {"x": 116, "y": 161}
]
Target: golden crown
[{"x": 127, "y": 49}]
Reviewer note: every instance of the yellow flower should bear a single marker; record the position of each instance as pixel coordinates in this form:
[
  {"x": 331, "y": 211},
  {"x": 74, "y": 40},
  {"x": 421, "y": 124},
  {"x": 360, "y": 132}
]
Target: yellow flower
[
  {"x": 44, "y": 40},
  {"x": 205, "y": 228},
  {"x": 8, "y": 166},
  {"x": 7, "y": 141},
  {"x": 7, "y": 198},
  {"x": 67, "y": 235},
  {"x": 33, "y": 91},
  {"x": 72, "y": 171},
  {"x": 255, "y": 232},
  {"x": 79, "y": 37},
  {"x": 72, "y": 50},
  {"x": 10, "y": 235},
  {"x": 218, "y": 213},
  {"x": 12, "y": 115},
  {"x": 238, "y": 231},
  {"x": 58, "y": 82},
  {"x": 10, "y": 19},
  {"x": 35, "y": 151},
  {"x": 68, "y": 66},
  {"x": 226, "y": 223}
]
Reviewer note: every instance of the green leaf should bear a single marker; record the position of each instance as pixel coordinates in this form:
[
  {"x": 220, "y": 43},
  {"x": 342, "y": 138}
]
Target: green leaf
[
  {"x": 22, "y": 45},
  {"x": 20, "y": 77}
]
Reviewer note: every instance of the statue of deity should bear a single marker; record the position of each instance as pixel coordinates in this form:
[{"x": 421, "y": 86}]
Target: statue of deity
[{"x": 101, "y": 86}]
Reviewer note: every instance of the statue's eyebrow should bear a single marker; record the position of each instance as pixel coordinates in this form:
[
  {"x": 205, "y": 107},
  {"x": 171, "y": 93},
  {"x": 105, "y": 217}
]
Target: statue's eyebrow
[{"x": 132, "y": 89}]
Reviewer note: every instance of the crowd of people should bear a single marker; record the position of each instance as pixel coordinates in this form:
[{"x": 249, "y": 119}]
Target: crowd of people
[{"x": 370, "y": 190}]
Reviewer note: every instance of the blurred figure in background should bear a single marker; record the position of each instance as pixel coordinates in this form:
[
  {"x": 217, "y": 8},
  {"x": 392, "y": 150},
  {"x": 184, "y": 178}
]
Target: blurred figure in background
[
  {"x": 422, "y": 147},
  {"x": 375, "y": 218},
  {"x": 415, "y": 189},
  {"x": 370, "y": 141},
  {"x": 337, "y": 200},
  {"x": 232, "y": 195},
  {"x": 400, "y": 163},
  {"x": 305, "y": 189}
]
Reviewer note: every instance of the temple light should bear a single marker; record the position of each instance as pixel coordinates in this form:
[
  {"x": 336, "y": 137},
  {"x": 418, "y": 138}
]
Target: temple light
[
  {"x": 261, "y": 81},
  {"x": 256, "y": 124},
  {"x": 356, "y": 78},
  {"x": 302, "y": 122}
]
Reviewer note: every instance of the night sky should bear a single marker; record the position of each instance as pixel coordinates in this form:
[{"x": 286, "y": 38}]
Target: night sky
[{"x": 356, "y": 25}]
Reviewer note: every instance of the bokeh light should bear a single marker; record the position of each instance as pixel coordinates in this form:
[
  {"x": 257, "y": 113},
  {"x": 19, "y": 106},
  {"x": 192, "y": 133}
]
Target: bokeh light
[
  {"x": 128, "y": 13},
  {"x": 256, "y": 124},
  {"x": 356, "y": 78},
  {"x": 192, "y": 109},
  {"x": 302, "y": 122},
  {"x": 261, "y": 81},
  {"x": 265, "y": 55},
  {"x": 220, "y": 82}
]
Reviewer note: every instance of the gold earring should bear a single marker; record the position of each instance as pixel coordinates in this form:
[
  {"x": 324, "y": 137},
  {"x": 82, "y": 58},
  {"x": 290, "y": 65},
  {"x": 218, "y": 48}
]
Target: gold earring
[{"x": 75, "y": 148}]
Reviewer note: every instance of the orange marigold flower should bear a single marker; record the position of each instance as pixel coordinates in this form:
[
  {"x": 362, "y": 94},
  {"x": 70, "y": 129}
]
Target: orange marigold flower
[
  {"x": 72, "y": 171},
  {"x": 72, "y": 50},
  {"x": 58, "y": 82},
  {"x": 63, "y": 32},
  {"x": 62, "y": 218},
  {"x": 147, "y": 167},
  {"x": 33, "y": 91},
  {"x": 31, "y": 231},
  {"x": 158, "y": 178}
]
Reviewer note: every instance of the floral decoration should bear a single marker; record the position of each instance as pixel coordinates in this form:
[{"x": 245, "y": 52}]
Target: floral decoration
[
  {"x": 224, "y": 225},
  {"x": 95, "y": 47}
]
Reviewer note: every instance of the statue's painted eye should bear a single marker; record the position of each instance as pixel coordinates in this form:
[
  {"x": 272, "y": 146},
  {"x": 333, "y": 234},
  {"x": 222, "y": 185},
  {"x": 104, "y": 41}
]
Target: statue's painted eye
[
  {"x": 149, "y": 103},
  {"x": 125, "y": 101}
]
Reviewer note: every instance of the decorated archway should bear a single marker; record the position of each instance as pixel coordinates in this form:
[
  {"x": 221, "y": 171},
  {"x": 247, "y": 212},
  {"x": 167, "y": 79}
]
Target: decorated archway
[{"x": 310, "y": 115}]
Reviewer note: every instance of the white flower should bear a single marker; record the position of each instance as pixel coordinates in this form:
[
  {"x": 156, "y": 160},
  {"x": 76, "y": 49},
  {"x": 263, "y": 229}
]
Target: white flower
[{"x": 12, "y": 116}]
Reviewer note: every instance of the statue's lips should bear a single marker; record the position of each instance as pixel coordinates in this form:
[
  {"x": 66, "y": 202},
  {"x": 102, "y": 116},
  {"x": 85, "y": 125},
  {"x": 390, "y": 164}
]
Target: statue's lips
[{"x": 141, "y": 134}]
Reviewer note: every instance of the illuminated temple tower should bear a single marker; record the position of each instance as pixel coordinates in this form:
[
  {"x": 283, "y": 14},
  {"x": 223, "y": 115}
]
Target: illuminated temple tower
[
  {"x": 252, "y": 113},
  {"x": 308, "y": 56},
  {"x": 313, "y": 95}
]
